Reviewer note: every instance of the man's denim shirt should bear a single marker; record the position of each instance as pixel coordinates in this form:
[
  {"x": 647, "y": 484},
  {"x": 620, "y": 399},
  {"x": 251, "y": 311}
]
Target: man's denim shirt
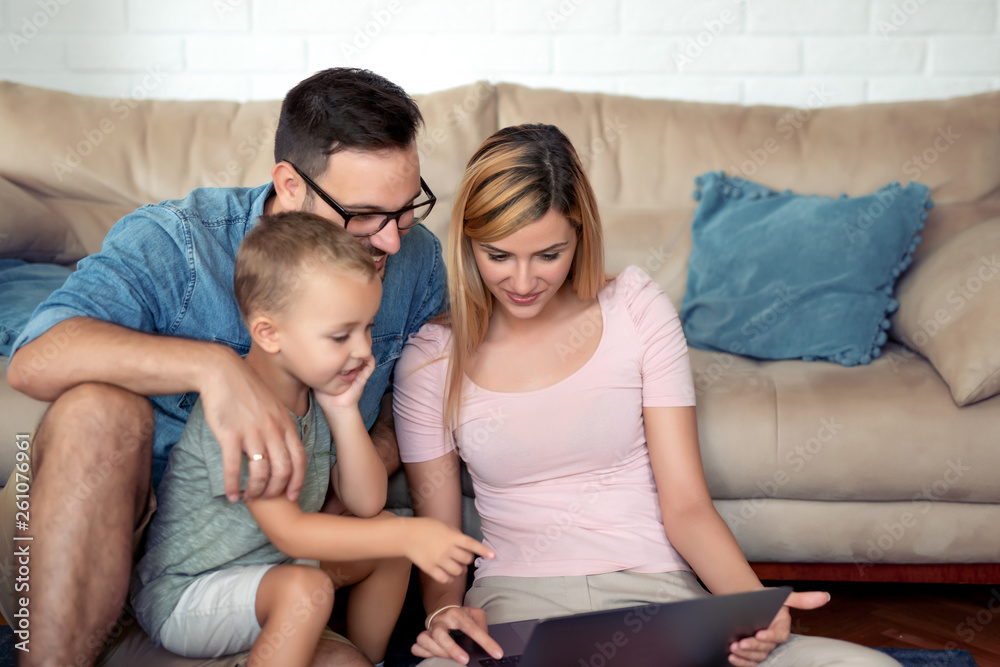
[{"x": 167, "y": 268}]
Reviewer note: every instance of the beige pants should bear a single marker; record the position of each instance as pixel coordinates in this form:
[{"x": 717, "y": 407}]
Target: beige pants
[
  {"x": 127, "y": 644},
  {"x": 508, "y": 599}
]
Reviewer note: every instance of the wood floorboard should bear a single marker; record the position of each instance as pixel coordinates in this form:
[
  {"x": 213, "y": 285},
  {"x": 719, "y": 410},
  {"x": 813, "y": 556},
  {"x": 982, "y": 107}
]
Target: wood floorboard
[{"x": 918, "y": 616}]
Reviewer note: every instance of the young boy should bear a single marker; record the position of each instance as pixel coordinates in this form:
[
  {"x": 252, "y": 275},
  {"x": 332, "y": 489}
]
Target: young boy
[{"x": 219, "y": 577}]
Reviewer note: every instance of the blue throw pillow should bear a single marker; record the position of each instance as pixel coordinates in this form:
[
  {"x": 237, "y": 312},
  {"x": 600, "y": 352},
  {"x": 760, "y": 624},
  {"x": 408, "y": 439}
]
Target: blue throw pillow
[
  {"x": 776, "y": 275},
  {"x": 23, "y": 286}
]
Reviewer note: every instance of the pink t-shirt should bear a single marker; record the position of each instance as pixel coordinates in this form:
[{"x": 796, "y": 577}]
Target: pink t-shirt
[{"x": 561, "y": 474}]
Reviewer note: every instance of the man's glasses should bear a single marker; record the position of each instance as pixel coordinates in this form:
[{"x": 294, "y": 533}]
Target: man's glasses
[{"x": 371, "y": 223}]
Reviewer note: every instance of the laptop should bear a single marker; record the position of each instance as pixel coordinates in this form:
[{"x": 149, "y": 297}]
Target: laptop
[{"x": 689, "y": 633}]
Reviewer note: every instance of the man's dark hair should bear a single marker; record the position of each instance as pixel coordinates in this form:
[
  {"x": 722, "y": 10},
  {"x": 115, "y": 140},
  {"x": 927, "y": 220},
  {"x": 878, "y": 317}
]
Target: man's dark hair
[{"x": 343, "y": 108}]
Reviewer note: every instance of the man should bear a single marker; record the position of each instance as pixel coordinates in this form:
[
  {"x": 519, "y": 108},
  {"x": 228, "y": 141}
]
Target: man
[{"x": 153, "y": 315}]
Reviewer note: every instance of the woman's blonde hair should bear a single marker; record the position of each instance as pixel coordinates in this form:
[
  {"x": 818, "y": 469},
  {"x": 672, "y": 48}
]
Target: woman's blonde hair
[{"x": 516, "y": 177}]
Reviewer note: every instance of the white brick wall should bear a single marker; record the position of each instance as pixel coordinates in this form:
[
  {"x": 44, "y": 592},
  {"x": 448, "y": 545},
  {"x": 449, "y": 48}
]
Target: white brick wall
[{"x": 745, "y": 51}]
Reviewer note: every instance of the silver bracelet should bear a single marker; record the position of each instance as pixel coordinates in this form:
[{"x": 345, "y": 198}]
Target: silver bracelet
[{"x": 427, "y": 623}]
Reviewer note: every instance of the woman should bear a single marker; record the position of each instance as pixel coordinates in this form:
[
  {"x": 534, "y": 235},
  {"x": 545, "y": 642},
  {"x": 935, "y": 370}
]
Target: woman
[{"x": 569, "y": 396}]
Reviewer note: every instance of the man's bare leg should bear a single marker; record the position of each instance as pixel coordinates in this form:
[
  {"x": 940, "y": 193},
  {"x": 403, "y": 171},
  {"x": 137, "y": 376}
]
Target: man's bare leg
[{"x": 91, "y": 468}]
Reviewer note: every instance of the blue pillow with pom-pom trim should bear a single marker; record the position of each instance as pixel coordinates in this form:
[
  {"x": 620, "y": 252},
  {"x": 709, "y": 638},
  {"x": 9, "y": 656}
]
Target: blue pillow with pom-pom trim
[{"x": 777, "y": 275}]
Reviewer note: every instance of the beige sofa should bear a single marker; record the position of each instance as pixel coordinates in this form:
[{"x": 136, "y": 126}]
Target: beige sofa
[{"x": 872, "y": 471}]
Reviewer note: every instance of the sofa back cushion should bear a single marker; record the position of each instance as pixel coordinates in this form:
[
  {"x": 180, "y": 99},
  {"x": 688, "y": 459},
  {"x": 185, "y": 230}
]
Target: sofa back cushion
[
  {"x": 86, "y": 161},
  {"x": 642, "y": 155},
  {"x": 92, "y": 159}
]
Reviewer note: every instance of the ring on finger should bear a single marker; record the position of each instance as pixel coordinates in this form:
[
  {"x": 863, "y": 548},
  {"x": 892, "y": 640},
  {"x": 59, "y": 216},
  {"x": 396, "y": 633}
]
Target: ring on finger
[{"x": 258, "y": 457}]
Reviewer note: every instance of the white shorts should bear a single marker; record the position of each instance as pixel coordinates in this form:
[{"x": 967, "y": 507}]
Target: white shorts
[{"x": 216, "y": 615}]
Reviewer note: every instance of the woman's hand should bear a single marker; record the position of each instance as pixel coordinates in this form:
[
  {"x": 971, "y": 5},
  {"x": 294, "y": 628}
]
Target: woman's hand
[
  {"x": 751, "y": 651},
  {"x": 438, "y": 642}
]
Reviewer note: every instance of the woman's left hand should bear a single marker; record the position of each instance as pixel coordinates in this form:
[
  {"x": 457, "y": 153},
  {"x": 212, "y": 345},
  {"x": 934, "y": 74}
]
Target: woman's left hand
[{"x": 751, "y": 651}]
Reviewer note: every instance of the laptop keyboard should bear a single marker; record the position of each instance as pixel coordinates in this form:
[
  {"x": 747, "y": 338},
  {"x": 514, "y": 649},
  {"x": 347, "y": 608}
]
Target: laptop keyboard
[{"x": 506, "y": 660}]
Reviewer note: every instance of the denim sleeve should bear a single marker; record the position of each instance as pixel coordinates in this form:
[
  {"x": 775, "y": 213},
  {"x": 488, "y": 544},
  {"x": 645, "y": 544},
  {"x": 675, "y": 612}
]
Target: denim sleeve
[{"x": 141, "y": 278}]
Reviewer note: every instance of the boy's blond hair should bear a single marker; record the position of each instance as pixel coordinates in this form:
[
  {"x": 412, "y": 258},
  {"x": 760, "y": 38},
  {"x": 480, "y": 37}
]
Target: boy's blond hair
[{"x": 282, "y": 250}]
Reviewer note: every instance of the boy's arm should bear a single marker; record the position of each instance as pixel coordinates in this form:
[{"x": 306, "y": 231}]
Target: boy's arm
[
  {"x": 440, "y": 551},
  {"x": 320, "y": 536},
  {"x": 358, "y": 477}
]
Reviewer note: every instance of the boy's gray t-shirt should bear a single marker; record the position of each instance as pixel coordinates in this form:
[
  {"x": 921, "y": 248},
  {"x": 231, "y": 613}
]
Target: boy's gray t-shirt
[{"x": 196, "y": 530}]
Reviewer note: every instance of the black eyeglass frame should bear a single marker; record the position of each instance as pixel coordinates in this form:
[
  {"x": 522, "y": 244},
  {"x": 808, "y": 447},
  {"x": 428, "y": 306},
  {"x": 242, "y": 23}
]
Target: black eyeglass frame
[{"x": 389, "y": 215}]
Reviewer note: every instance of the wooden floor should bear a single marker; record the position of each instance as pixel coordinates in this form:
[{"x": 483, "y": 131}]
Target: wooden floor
[{"x": 928, "y": 616}]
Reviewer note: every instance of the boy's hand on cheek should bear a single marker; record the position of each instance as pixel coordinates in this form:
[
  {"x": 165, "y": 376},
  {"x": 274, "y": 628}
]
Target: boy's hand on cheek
[{"x": 349, "y": 397}]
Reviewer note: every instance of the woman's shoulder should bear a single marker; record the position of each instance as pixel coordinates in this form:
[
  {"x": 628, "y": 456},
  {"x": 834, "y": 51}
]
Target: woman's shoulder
[
  {"x": 432, "y": 337},
  {"x": 630, "y": 284},
  {"x": 430, "y": 343},
  {"x": 634, "y": 293}
]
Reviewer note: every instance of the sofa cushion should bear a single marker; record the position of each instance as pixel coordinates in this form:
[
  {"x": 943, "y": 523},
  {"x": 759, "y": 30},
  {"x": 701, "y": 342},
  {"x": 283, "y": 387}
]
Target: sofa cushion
[
  {"x": 778, "y": 276},
  {"x": 949, "y": 311},
  {"x": 32, "y": 231},
  {"x": 824, "y": 432}
]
